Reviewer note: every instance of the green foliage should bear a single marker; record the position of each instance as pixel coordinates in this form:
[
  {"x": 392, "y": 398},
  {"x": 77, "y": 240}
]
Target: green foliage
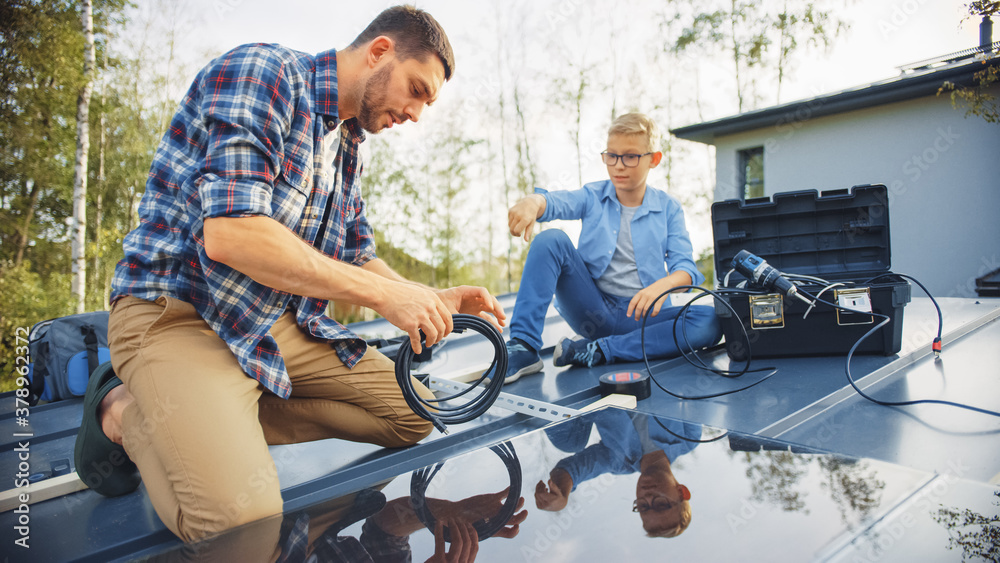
[
  {"x": 977, "y": 99},
  {"x": 756, "y": 37},
  {"x": 983, "y": 7},
  {"x": 706, "y": 265},
  {"x": 977, "y": 535},
  {"x": 41, "y": 65},
  {"x": 25, "y": 299}
]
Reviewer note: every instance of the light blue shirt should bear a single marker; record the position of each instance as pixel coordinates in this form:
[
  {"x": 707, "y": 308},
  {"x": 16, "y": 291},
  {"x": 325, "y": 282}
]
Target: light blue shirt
[
  {"x": 625, "y": 438},
  {"x": 659, "y": 236}
]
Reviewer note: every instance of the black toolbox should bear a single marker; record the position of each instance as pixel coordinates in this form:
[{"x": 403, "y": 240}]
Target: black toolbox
[{"x": 840, "y": 237}]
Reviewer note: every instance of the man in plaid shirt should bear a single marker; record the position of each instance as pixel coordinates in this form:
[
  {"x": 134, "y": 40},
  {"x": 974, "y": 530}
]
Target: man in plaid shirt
[{"x": 251, "y": 222}]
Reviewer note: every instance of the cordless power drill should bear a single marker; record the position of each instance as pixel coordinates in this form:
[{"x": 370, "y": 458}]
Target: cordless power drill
[{"x": 763, "y": 274}]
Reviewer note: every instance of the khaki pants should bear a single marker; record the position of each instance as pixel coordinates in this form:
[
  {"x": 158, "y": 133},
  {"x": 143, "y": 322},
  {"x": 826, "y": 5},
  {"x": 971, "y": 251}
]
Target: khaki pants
[{"x": 199, "y": 427}]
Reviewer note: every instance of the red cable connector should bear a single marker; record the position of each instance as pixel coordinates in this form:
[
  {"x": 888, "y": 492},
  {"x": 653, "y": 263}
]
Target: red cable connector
[{"x": 936, "y": 346}]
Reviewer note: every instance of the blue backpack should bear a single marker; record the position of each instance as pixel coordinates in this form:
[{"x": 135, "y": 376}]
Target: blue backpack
[{"x": 64, "y": 352}]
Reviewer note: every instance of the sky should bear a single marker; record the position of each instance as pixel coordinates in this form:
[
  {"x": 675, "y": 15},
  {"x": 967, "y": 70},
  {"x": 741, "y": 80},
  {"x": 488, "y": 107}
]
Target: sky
[{"x": 883, "y": 35}]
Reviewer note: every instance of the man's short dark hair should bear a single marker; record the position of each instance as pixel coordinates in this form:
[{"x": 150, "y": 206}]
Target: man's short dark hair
[{"x": 416, "y": 34}]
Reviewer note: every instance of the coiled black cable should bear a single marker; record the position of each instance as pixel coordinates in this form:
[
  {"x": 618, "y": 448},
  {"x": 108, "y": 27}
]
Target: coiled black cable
[
  {"x": 488, "y": 525},
  {"x": 443, "y": 415}
]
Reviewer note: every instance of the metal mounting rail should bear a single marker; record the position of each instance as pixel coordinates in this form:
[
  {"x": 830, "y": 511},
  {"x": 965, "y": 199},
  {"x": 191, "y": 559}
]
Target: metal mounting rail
[{"x": 516, "y": 403}]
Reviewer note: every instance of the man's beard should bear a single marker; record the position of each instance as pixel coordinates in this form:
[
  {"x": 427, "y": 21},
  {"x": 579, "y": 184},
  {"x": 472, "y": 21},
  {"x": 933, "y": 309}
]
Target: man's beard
[{"x": 371, "y": 117}]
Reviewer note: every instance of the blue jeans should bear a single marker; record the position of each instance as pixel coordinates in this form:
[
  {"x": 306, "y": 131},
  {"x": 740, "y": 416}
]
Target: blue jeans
[{"x": 555, "y": 268}]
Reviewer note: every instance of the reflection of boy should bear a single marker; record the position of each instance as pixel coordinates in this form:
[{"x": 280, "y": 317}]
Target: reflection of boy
[
  {"x": 627, "y": 445},
  {"x": 633, "y": 247}
]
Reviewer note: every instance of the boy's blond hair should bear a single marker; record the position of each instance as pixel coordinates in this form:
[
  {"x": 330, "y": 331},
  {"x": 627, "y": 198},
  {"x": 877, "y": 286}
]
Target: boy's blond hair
[
  {"x": 672, "y": 531},
  {"x": 636, "y": 124}
]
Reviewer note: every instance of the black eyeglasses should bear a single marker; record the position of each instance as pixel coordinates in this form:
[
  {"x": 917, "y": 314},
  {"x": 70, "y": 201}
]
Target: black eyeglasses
[
  {"x": 629, "y": 160},
  {"x": 659, "y": 504}
]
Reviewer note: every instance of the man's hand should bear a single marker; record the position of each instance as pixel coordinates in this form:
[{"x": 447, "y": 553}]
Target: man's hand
[
  {"x": 481, "y": 507},
  {"x": 476, "y": 301},
  {"x": 513, "y": 526},
  {"x": 522, "y": 215},
  {"x": 414, "y": 308},
  {"x": 464, "y": 542},
  {"x": 643, "y": 300},
  {"x": 555, "y": 497}
]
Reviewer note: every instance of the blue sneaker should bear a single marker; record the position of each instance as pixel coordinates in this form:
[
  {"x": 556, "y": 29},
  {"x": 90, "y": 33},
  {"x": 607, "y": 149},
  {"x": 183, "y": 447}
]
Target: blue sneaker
[
  {"x": 521, "y": 360},
  {"x": 577, "y": 352}
]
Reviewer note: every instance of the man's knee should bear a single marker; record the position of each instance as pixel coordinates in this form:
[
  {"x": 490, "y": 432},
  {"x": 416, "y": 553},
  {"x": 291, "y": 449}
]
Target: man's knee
[
  {"x": 406, "y": 431},
  {"x": 223, "y": 512}
]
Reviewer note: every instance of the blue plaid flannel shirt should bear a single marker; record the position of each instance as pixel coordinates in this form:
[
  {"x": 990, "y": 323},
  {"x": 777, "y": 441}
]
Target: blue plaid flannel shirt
[{"x": 248, "y": 140}]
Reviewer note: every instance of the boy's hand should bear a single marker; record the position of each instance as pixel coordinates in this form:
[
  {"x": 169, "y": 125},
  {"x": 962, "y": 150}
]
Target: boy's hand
[
  {"x": 642, "y": 301},
  {"x": 556, "y": 495},
  {"x": 522, "y": 216}
]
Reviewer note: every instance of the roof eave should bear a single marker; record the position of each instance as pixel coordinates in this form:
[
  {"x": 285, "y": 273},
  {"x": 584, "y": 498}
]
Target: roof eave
[{"x": 895, "y": 90}]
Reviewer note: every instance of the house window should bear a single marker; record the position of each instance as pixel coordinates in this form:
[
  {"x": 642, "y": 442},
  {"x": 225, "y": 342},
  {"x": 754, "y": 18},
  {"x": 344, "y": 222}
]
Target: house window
[{"x": 752, "y": 172}]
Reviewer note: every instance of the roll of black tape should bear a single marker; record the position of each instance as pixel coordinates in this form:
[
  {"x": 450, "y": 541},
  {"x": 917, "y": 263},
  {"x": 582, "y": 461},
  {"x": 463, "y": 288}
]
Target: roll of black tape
[{"x": 625, "y": 383}]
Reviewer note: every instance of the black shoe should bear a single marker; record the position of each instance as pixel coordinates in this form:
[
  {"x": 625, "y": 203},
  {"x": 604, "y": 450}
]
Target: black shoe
[{"x": 102, "y": 464}]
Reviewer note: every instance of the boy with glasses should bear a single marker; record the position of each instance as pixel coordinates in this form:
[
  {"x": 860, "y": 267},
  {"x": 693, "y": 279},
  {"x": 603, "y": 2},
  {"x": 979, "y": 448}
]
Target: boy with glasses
[
  {"x": 630, "y": 443},
  {"x": 633, "y": 247}
]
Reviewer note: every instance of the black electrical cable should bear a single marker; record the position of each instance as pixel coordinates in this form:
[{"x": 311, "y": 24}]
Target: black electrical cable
[
  {"x": 487, "y": 526},
  {"x": 688, "y": 353},
  {"x": 475, "y": 407},
  {"x": 936, "y": 345},
  {"x": 885, "y": 320},
  {"x": 700, "y": 364},
  {"x": 686, "y": 439}
]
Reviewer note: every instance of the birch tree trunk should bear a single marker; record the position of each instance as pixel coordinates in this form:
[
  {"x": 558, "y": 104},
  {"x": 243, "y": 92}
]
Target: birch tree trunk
[{"x": 79, "y": 239}]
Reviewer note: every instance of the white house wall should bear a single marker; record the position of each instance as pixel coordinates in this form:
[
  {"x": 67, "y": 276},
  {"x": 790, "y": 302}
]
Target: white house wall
[{"x": 942, "y": 171}]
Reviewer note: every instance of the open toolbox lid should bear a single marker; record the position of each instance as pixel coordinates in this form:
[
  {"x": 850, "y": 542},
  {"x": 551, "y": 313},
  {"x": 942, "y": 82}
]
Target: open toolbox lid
[{"x": 838, "y": 234}]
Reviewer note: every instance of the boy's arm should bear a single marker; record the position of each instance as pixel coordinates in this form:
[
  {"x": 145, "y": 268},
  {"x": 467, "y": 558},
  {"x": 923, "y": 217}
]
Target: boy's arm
[
  {"x": 522, "y": 215},
  {"x": 548, "y": 206},
  {"x": 554, "y": 497},
  {"x": 680, "y": 263}
]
